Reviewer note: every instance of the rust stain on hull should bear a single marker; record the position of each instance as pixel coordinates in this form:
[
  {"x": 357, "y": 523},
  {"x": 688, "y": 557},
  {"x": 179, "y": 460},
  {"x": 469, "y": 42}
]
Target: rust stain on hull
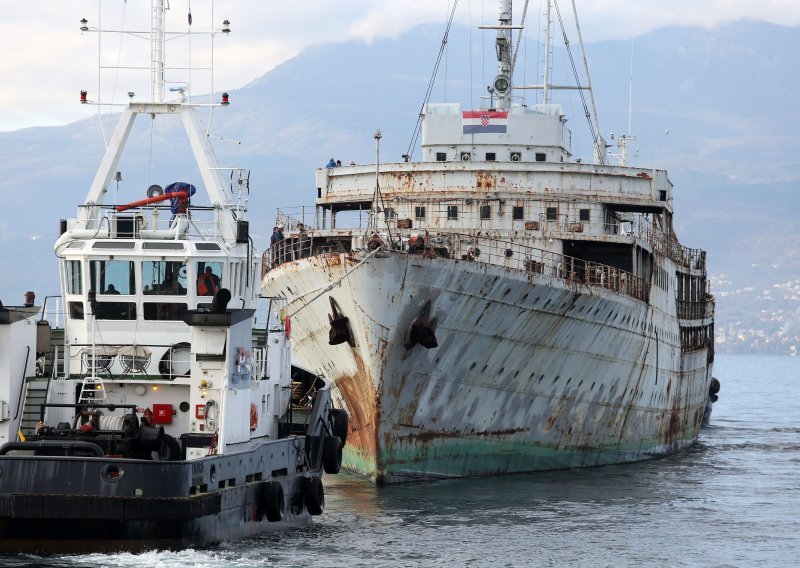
[{"x": 361, "y": 400}]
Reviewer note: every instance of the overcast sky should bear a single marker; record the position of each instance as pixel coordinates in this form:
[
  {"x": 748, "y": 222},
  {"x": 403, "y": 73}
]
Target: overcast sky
[{"x": 45, "y": 60}]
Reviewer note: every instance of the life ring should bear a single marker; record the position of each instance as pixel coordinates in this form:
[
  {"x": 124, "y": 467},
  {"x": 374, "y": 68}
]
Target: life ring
[
  {"x": 314, "y": 496},
  {"x": 332, "y": 455},
  {"x": 253, "y": 417}
]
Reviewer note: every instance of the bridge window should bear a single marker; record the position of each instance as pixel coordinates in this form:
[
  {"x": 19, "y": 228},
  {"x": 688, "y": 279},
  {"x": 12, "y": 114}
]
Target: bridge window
[
  {"x": 452, "y": 211},
  {"x": 164, "y": 277},
  {"x": 541, "y": 156},
  {"x": 491, "y": 156},
  {"x": 162, "y": 311},
  {"x": 112, "y": 277},
  {"x": 116, "y": 311},
  {"x": 419, "y": 213},
  {"x": 584, "y": 215},
  {"x": 73, "y": 275},
  {"x": 517, "y": 212},
  {"x": 76, "y": 310},
  {"x": 209, "y": 275},
  {"x": 486, "y": 212},
  {"x": 552, "y": 214},
  {"x": 441, "y": 157}
]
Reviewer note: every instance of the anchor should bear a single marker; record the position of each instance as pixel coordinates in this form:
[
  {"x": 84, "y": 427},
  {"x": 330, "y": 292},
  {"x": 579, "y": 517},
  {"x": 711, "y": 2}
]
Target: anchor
[
  {"x": 422, "y": 330},
  {"x": 340, "y": 326}
]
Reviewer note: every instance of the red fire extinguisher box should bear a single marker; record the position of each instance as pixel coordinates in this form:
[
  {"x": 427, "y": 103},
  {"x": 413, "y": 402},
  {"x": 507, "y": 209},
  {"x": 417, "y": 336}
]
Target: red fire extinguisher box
[{"x": 162, "y": 413}]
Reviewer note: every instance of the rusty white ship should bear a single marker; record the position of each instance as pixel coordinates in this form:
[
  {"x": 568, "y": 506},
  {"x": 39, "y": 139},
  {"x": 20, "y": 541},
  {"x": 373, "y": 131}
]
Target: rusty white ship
[{"x": 508, "y": 307}]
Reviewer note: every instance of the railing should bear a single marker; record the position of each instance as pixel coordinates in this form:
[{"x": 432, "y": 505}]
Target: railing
[
  {"x": 50, "y": 313},
  {"x": 129, "y": 361},
  {"x": 642, "y": 227},
  {"x": 681, "y": 255},
  {"x": 477, "y": 249},
  {"x": 696, "y": 310},
  {"x": 200, "y": 222}
]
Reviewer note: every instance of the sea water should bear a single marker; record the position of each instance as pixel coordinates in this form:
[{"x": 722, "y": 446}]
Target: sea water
[{"x": 731, "y": 500}]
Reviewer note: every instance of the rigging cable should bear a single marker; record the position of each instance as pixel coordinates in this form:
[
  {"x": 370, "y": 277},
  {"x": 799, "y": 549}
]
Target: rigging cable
[
  {"x": 415, "y": 136},
  {"x": 519, "y": 37},
  {"x": 575, "y": 72},
  {"x": 589, "y": 77}
]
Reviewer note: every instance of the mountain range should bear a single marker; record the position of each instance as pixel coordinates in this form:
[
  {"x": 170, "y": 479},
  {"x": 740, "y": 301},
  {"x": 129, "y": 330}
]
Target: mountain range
[{"x": 714, "y": 107}]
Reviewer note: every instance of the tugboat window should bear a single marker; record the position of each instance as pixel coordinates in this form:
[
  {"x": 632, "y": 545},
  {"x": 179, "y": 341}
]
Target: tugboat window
[
  {"x": 164, "y": 277},
  {"x": 162, "y": 310},
  {"x": 112, "y": 277},
  {"x": 584, "y": 215},
  {"x": 517, "y": 212},
  {"x": 116, "y": 311},
  {"x": 486, "y": 212},
  {"x": 419, "y": 213},
  {"x": 76, "y": 310},
  {"x": 552, "y": 213},
  {"x": 389, "y": 213},
  {"x": 72, "y": 269},
  {"x": 491, "y": 156},
  {"x": 209, "y": 278},
  {"x": 441, "y": 157},
  {"x": 452, "y": 211}
]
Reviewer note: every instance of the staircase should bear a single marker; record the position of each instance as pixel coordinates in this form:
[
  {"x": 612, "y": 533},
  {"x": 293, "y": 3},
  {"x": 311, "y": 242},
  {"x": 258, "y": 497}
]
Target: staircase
[
  {"x": 35, "y": 396},
  {"x": 36, "y": 392}
]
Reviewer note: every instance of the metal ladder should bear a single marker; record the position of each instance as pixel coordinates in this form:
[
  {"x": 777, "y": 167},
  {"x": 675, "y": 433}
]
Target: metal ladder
[{"x": 90, "y": 388}]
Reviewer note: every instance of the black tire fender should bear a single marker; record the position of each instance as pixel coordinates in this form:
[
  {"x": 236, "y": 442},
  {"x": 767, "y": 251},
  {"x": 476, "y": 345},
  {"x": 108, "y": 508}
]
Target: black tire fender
[
  {"x": 273, "y": 501},
  {"x": 332, "y": 455},
  {"x": 341, "y": 424},
  {"x": 314, "y": 496}
]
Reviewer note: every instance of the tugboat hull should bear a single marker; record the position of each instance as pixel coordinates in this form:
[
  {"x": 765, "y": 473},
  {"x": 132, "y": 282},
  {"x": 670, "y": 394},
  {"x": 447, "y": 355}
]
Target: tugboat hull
[{"x": 132, "y": 505}]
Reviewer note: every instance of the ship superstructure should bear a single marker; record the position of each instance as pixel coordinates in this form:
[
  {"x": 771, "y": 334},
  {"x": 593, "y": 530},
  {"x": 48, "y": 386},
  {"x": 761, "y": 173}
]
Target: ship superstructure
[{"x": 505, "y": 307}]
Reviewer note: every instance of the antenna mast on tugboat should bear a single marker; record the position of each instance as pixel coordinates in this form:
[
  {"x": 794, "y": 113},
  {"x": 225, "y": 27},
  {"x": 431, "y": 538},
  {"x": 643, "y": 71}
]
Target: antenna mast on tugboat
[
  {"x": 90, "y": 217},
  {"x": 157, "y": 51}
]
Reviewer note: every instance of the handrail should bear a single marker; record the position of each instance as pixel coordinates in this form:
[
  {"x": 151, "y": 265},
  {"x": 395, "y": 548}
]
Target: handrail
[
  {"x": 488, "y": 250},
  {"x": 53, "y": 372},
  {"x": 22, "y": 387}
]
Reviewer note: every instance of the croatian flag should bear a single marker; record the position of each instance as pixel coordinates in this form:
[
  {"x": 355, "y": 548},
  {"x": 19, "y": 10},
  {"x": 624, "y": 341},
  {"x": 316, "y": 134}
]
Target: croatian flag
[{"x": 484, "y": 121}]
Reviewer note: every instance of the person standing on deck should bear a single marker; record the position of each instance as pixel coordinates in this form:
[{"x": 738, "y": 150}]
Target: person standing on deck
[{"x": 277, "y": 237}]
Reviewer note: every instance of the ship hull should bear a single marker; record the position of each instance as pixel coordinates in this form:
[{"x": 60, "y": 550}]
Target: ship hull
[
  {"x": 530, "y": 373},
  {"x": 74, "y": 504}
]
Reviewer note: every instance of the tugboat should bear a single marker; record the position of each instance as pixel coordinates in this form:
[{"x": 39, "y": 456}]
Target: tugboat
[
  {"x": 500, "y": 306},
  {"x": 173, "y": 423}
]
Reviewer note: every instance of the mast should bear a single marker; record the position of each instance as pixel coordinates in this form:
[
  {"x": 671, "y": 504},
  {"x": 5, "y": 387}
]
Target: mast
[
  {"x": 547, "y": 48},
  {"x": 157, "y": 51},
  {"x": 502, "y": 82}
]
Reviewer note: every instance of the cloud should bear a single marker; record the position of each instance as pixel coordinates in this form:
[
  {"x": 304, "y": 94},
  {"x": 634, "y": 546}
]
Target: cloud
[{"x": 46, "y": 61}]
